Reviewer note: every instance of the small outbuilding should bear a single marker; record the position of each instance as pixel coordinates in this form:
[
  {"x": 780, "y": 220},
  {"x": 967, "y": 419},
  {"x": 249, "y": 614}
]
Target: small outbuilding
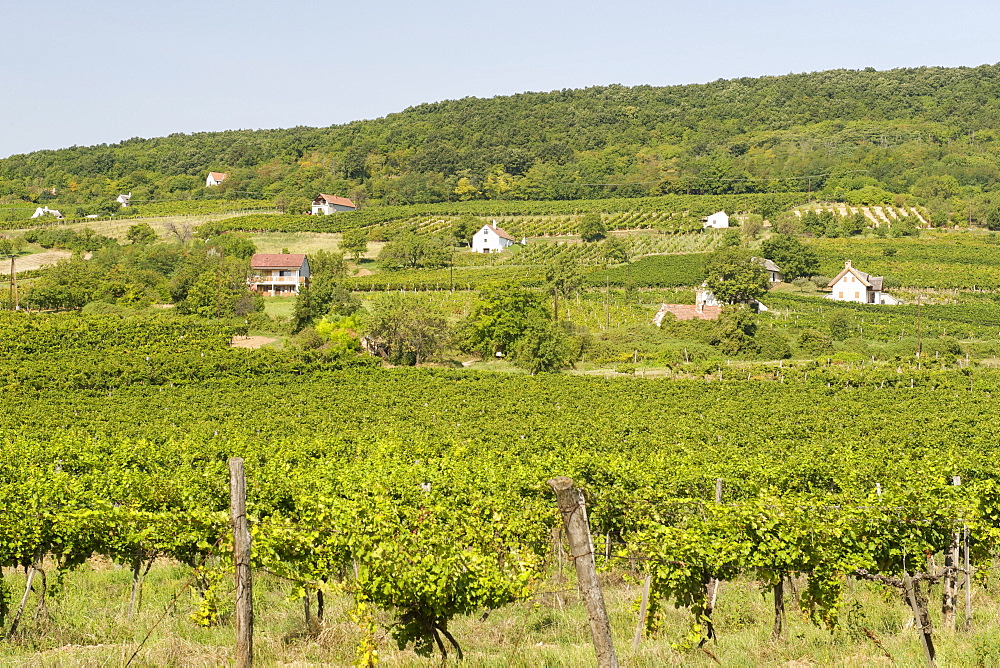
[
  {"x": 718, "y": 220},
  {"x": 491, "y": 239},
  {"x": 214, "y": 179},
  {"x": 327, "y": 204},
  {"x": 46, "y": 211}
]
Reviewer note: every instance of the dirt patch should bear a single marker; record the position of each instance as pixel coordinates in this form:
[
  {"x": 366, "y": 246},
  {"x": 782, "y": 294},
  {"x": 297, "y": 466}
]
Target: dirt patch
[
  {"x": 251, "y": 341},
  {"x": 362, "y": 272},
  {"x": 35, "y": 261}
]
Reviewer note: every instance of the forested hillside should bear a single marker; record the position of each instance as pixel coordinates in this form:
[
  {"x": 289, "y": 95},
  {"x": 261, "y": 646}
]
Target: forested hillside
[{"x": 929, "y": 133}]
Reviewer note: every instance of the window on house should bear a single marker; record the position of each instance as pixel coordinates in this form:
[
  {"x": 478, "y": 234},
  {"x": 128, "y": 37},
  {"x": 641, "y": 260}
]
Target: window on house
[
  {"x": 840, "y": 295},
  {"x": 856, "y": 295}
]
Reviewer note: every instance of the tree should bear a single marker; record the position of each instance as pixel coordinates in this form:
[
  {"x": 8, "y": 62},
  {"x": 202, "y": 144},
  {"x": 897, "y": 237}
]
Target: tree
[
  {"x": 735, "y": 277},
  {"x": 795, "y": 258},
  {"x": 735, "y": 332},
  {"x": 592, "y": 227},
  {"x": 234, "y": 245},
  {"x": 406, "y": 326},
  {"x": 464, "y": 228},
  {"x": 410, "y": 251},
  {"x": 616, "y": 249},
  {"x": 499, "y": 319},
  {"x": 355, "y": 242},
  {"x": 141, "y": 233},
  {"x": 545, "y": 346},
  {"x": 563, "y": 276}
]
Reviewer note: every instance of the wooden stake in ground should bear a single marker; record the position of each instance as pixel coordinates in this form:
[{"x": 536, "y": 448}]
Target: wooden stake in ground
[
  {"x": 241, "y": 559},
  {"x": 922, "y": 618},
  {"x": 574, "y": 512}
]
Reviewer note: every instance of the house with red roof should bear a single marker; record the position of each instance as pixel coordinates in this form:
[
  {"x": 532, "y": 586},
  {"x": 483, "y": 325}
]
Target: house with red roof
[
  {"x": 214, "y": 179},
  {"x": 327, "y": 204},
  {"x": 281, "y": 274},
  {"x": 491, "y": 239}
]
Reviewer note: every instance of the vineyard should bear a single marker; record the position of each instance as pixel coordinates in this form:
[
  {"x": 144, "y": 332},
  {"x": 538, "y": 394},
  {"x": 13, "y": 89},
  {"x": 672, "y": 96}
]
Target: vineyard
[
  {"x": 675, "y": 213},
  {"x": 417, "y": 497}
]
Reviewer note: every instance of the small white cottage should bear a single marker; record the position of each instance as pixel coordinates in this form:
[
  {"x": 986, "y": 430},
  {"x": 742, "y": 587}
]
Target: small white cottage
[
  {"x": 851, "y": 285},
  {"x": 718, "y": 220},
  {"x": 214, "y": 179},
  {"x": 124, "y": 199},
  {"x": 774, "y": 274},
  {"x": 46, "y": 211},
  {"x": 491, "y": 239},
  {"x": 327, "y": 204}
]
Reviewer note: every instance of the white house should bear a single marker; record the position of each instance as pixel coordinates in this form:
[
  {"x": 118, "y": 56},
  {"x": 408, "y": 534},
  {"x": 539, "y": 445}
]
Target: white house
[
  {"x": 851, "y": 285},
  {"x": 491, "y": 239},
  {"x": 718, "y": 220},
  {"x": 327, "y": 204},
  {"x": 123, "y": 199},
  {"x": 278, "y": 273},
  {"x": 774, "y": 274},
  {"x": 214, "y": 179},
  {"x": 44, "y": 210}
]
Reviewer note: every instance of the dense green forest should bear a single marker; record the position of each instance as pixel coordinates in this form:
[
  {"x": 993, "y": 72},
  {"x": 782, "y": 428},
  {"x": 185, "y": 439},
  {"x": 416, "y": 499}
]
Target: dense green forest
[{"x": 930, "y": 134}]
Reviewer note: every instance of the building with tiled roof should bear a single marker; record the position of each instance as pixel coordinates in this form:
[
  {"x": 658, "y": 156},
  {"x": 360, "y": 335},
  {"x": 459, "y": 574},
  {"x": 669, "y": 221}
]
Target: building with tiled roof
[
  {"x": 279, "y": 273},
  {"x": 327, "y": 204}
]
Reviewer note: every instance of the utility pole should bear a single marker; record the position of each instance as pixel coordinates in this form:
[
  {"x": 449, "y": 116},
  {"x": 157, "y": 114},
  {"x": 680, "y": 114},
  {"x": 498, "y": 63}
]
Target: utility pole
[
  {"x": 14, "y": 297},
  {"x": 919, "y": 342}
]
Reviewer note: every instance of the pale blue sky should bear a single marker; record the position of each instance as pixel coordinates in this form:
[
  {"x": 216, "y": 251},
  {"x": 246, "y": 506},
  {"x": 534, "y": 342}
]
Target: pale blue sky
[{"x": 77, "y": 72}]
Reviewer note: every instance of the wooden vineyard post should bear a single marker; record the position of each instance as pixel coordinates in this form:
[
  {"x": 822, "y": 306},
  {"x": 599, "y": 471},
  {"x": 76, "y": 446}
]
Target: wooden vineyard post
[
  {"x": 712, "y": 586},
  {"x": 573, "y": 507},
  {"x": 949, "y": 587},
  {"x": 241, "y": 559},
  {"x": 921, "y": 617},
  {"x": 642, "y": 614}
]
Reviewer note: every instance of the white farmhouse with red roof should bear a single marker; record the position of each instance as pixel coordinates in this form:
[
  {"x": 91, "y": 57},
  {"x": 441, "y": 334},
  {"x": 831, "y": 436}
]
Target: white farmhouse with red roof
[
  {"x": 851, "y": 285},
  {"x": 214, "y": 179},
  {"x": 327, "y": 204},
  {"x": 278, "y": 273},
  {"x": 491, "y": 239}
]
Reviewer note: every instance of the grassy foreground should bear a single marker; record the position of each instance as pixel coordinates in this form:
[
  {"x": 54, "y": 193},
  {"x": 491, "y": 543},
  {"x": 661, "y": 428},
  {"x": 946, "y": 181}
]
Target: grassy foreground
[{"x": 86, "y": 624}]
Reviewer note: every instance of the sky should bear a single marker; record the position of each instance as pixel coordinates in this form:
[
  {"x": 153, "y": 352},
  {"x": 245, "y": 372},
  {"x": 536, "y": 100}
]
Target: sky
[{"x": 101, "y": 71}]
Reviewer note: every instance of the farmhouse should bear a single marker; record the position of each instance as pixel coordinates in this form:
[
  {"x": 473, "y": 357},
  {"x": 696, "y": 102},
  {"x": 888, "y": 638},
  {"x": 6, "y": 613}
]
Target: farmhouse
[
  {"x": 491, "y": 239},
  {"x": 851, "y": 285},
  {"x": 124, "y": 199},
  {"x": 278, "y": 273},
  {"x": 46, "y": 211},
  {"x": 327, "y": 204},
  {"x": 214, "y": 179},
  {"x": 718, "y": 220}
]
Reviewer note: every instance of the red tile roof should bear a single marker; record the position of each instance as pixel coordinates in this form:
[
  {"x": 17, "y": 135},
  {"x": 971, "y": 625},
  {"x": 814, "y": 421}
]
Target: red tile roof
[
  {"x": 692, "y": 312},
  {"x": 333, "y": 199},
  {"x": 277, "y": 260},
  {"x": 501, "y": 233},
  {"x": 218, "y": 176}
]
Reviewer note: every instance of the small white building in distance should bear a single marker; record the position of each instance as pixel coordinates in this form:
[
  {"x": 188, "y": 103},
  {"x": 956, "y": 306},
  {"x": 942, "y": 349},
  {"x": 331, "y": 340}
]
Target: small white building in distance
[
  {"x": 491, "y": 239},
  {"x": 327, "y": 204},
  {"x": 214, "y": 179},
  {"x": 851, "y": 285},
  {"x": 718, "y": 220},
  {"x": 774, "y": 274},
  {"x": 46, "y": 211},
  {"x": 123, "y": 199}
]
